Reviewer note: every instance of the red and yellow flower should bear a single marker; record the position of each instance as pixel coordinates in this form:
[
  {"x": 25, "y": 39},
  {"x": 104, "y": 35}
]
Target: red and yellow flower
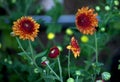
[
  {"x": 26, "y": 28},
  {"x": 74, "y": 47},
  {"x": 86, "y": 20}
]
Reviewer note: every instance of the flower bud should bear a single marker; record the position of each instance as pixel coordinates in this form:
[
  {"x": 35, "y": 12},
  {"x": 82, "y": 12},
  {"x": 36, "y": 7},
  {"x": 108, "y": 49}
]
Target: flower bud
[
  {"x": 106, "y": 75},
  {"x": 107, "y": 8},
  {"x": 36, "y": 70},
  {"x": 60, "y": 48},
  {"x": 93, "y": 65},
  {"x": 10, "y": 62},
  {"x": 70, "y": 80},
  {"x": 69, "y": 31},
  {"x": 54, "y": 52},
  {"x": 97, "y": 8},
  {"x": 116, "y": 2},
  {"x": 84, "y": 39},
  {"x": 12, "y": 34},
  {"x": 51, "y": 36},
  {"x": 43, "y": 58},
  {"x": 78, "y": 73},
  {"x": 102, "y": 29},
  {"x": 99, "y": 81},
  {"x": 5, "y": 60}
]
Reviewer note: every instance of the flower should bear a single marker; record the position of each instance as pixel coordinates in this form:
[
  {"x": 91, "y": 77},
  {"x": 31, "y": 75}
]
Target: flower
[
  {"x": 26, "y": 28},
  {"x": 74, "y": 47},
  {"x": 54, "y": 52},
  {"x": 86, "y": 20}
]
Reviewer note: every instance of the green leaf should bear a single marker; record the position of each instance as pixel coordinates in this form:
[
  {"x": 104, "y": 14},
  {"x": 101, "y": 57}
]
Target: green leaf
[
  {"x": 56, "y": 11},
  {"x": 22, "y": 53},
  {"x": 50, "y": 76},
  {"x": 54, "y": 28},
  {"x": 41, "y": 54}
]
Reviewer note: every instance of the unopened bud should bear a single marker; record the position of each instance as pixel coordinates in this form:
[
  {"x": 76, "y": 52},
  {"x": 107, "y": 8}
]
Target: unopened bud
[
  {"x": 106, "y": 75},
  {"x": 70, "y": 80}
]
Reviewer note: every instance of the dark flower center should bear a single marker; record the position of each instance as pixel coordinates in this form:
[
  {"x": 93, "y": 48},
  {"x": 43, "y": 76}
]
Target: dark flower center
[
  {"x": 83, "y": 20},
  {"x": 27, "y": 26}
]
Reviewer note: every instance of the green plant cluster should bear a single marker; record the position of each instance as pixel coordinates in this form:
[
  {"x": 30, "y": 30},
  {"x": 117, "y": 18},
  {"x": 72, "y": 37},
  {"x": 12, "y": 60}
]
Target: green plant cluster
[{"x": 16, "y": 66}]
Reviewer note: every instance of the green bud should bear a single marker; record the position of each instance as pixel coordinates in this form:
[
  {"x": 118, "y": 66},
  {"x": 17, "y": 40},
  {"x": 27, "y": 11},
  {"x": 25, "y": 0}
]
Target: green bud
[
  {"x": 70, "y": 80},
  {"x": 5, "y": 60},
  {"x": 78, "y": 73},
  {"x": 107, "y": 8},
  {"x": 13, "y": 1},
  {"x": 99, "y": 81},
  {"x": 119, "y": 67},
  {"x": 69, "y": 31},
  {"x": 10, "y": 62},
  {"x": 93, "y": 64},
  {"x": 43, "y": 58},
  {"x": 102, "y": 29},
  {"x": 36, "y": 70},
  {"x": 116, "y": 2},
  {"x": 106, "y": 75},
  {"x": 97, "y": 8},
  {"x": 119, "y": 60},
  {"x": 60, "y": 48}
]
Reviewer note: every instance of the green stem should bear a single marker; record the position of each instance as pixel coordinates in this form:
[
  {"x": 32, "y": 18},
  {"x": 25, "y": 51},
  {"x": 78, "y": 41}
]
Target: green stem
[
  {"x": 96, "y": 48},
  {"x": 77, "y": 78},
  {"x": 53, "y": 71},
  {"x": 19, "y": 75},
  {"x": 20, "y": 45},
  {"x": 60, "y": 69},
  {"x": 69, "y": 63},
  {"x": 40, "y": 43},
  {"x": 33, "y": 58},
  {"x": 31, "y": 49}
]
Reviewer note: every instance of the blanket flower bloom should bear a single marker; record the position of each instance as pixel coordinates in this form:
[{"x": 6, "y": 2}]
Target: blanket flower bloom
[
  {"x": 74, "y": 47},
  {"x": 26, "y": 28},
  {"x": 86, "y": 20}
]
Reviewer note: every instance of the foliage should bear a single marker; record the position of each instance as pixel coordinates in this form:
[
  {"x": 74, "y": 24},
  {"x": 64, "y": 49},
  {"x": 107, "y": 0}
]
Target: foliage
[{"x": 26, "y": 61}]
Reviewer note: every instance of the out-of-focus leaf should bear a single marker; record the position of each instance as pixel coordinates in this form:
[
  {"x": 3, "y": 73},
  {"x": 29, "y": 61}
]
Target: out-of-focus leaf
[
  {"x": 22, "y": 53},
  {"x": 56, "y": 11},
  {"x": 54, "y": 28},
  {"x": 41, "y": 54}
]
